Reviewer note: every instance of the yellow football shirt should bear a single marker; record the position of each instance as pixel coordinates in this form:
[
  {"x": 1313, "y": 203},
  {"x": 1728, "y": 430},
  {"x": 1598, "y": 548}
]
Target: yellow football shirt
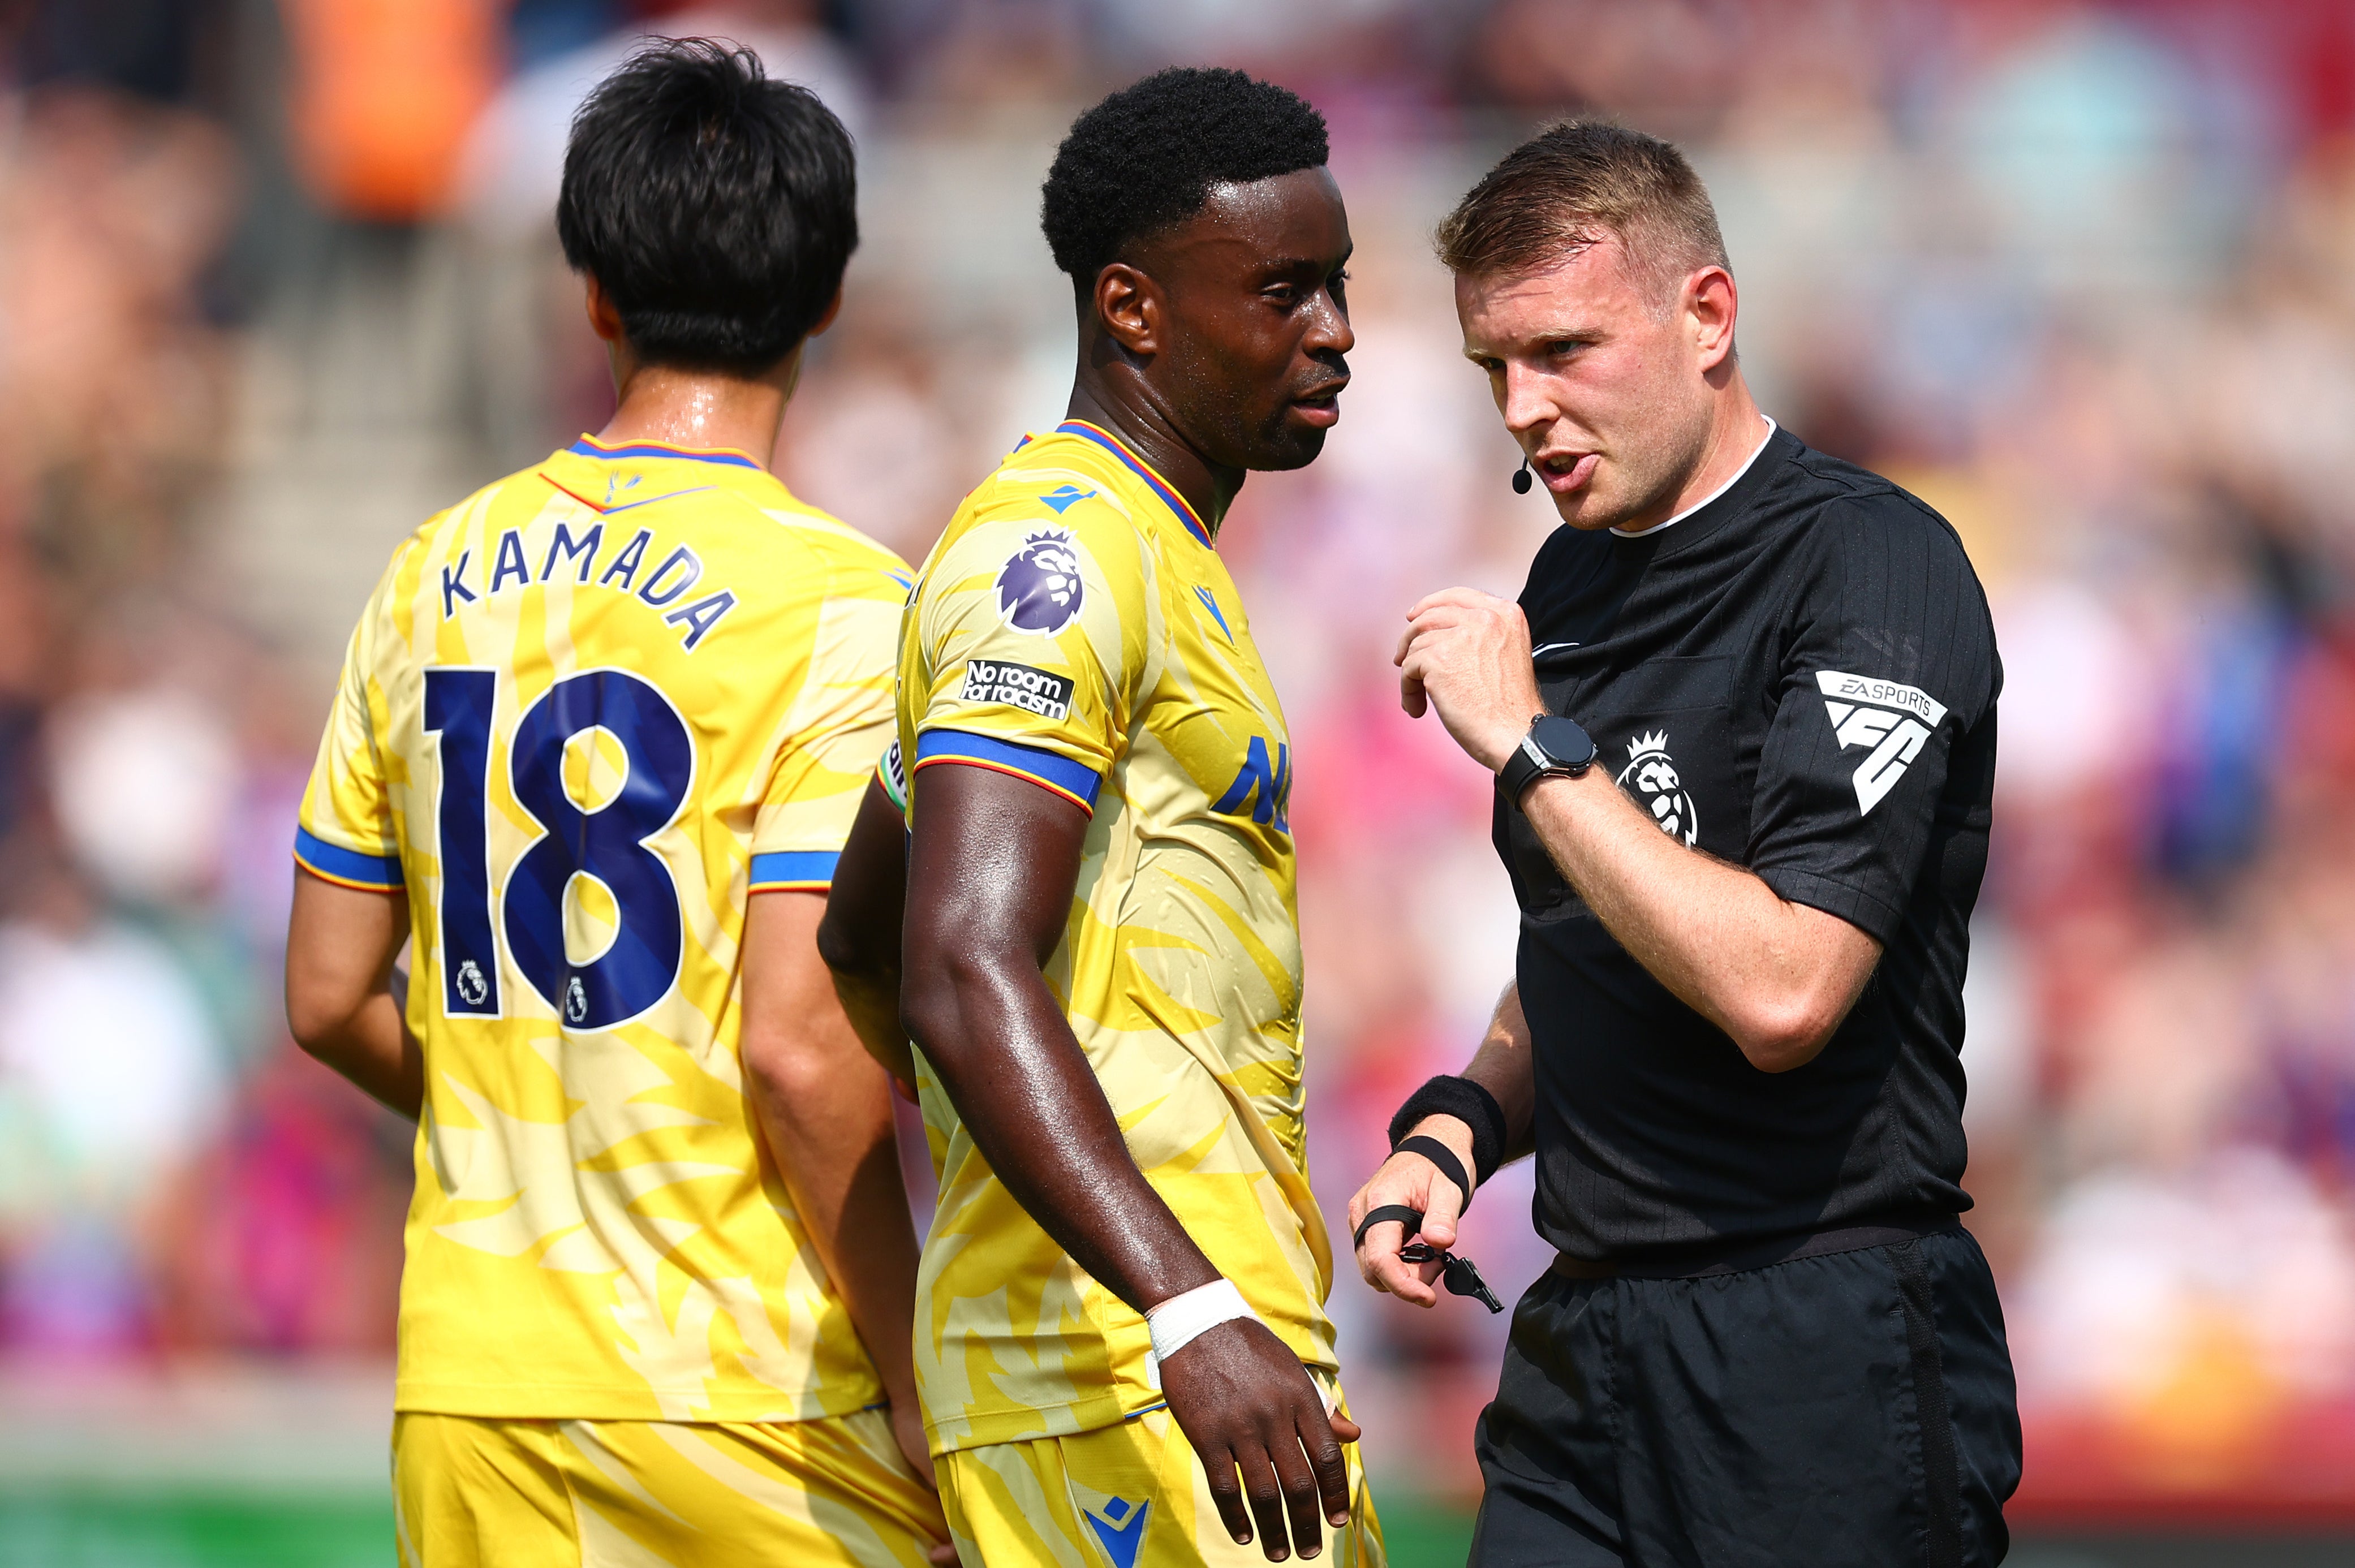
[
  {"x": 587, "y": 712},
  {"x": 1073, "y": 627}
]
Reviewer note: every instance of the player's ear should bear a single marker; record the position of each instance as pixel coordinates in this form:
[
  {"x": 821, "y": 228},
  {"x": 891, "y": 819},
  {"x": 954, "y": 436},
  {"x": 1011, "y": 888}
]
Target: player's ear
[
  {"x": 604, "y": 316},
  {"x": 833, "y": 309},
  {"x": 1129, "y": 306}
]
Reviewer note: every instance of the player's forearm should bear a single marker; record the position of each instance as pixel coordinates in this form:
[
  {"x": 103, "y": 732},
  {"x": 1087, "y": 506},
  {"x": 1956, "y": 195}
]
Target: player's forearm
[
  {"x": 872, "y": 1003},
  {"x": 1776, "y": 976},
  {"x": 345, "y": 1000},
  {"x": 826, "y": 1113},
  {"x": 372, "y": 1047},
  {"x": 874, "y": 1266},
  {"x": 827, "y": 1117},
  {"x": 1023, "y": 1088},
  {"x": 859, "y": 936}
]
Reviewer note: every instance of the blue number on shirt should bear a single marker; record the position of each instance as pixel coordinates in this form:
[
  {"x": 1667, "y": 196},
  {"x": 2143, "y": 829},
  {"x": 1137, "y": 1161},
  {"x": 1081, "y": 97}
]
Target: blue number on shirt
[
  {"x": 607, "y": 845},
  {"x": 458, "y": 709}
]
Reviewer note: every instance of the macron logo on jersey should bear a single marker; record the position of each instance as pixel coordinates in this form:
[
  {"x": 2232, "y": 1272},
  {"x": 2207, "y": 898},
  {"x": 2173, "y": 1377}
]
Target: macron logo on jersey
[
  {"x": 1891, "y": 719},
  {"x": 1120, "y": 1529}
]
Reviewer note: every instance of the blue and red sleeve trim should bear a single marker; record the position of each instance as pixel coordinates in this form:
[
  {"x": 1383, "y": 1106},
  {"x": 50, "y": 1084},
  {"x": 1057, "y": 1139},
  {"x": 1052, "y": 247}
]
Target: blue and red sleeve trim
[
  {"x": 1075, "y": 781},
  {"x": 346, "y": 868},
  {"x": 794, "y": 870}
]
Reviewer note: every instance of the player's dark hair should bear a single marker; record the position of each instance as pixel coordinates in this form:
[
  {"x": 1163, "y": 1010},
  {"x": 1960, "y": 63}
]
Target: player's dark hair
[
  {"x": 717, "y": 207},
  {"x": 1571, "y": 184},
  {"x": 1146, "y": 157}
]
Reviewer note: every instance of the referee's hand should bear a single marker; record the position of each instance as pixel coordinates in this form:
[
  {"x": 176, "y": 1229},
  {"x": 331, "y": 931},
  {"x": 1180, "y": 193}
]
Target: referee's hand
[
  {"x": 1466, "y": 654},
  {"x": 1414, "y": 1181}
]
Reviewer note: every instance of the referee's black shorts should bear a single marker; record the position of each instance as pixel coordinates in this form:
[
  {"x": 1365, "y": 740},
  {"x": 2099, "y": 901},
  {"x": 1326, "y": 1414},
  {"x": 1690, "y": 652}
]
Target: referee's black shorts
[{"x": 1852, "y": 1408}]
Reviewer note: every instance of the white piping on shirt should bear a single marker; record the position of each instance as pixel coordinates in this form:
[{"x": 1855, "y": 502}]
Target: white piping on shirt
[{"x": 1705, "y": 500}]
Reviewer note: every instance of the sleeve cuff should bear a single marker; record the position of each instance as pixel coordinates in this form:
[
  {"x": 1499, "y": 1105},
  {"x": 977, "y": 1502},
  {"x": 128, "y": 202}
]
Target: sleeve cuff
[
  {"x": 1862, "y": 910},
  {"x": 1075, "y": 781},
  {"x": 794, "y": 870},
  {"x": 345, "y": 868}
]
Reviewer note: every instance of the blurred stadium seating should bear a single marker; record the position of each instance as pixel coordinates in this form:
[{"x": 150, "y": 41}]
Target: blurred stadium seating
[{"x": 2083, "y": 275}]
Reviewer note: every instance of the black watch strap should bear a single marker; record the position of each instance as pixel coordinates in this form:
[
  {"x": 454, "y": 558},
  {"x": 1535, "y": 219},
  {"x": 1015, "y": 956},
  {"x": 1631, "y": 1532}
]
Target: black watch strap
[
  {"x": 1520, "y": 771},
  {"x": 1554, "y": 745}
]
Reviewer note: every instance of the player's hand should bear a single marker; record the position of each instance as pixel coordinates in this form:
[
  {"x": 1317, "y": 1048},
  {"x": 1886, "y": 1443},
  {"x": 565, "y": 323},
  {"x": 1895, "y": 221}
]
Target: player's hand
[
  {"x": 1248, "y": 1406},
  {"x": 1468, "y": 654},
  {"x": 1410, "y": 1180}
]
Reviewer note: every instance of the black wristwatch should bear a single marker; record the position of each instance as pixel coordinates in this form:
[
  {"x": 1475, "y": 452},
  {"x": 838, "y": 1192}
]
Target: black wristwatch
[{"x": 1554, "y": 745}]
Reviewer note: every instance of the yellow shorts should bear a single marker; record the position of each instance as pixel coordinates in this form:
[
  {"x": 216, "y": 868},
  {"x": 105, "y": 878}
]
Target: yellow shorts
[
  {"x": 470, "y": 1492},
  {"x": 1131, "y": 1496}
]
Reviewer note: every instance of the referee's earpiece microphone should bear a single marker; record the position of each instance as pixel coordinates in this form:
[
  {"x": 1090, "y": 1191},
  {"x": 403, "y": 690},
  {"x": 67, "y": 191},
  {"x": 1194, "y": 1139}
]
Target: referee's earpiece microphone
[{"x": 1521, "y": 476}]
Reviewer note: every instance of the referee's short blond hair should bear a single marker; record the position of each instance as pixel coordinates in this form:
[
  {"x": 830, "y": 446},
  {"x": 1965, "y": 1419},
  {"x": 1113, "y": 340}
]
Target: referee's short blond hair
[{"x": 1570, "y": 186}]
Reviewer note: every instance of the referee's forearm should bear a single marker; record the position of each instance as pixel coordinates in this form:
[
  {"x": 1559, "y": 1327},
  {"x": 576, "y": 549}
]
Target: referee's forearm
[
  {"x": 1504, "y": 1067},
  {"x": 1776, "y": 977}
]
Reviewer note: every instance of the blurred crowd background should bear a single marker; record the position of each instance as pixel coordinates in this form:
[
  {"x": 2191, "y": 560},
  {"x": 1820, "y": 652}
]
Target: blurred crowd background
[{"x": 278, "y": 278}]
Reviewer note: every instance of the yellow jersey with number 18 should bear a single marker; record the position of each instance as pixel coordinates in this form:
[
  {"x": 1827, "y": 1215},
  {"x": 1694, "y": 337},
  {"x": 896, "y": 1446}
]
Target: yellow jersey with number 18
[
  {"x": 1074, "y": 628},
  {"x": 587, "y": 713}
]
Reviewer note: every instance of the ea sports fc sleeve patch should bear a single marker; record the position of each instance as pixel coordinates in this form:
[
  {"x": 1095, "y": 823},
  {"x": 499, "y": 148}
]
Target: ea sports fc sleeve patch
[
  {"x": 1892, "y": 663},
  {"x": 1049, "y": 770},
  {"x": 346, "y": 868},
  {"x": 794, "y": 870}
]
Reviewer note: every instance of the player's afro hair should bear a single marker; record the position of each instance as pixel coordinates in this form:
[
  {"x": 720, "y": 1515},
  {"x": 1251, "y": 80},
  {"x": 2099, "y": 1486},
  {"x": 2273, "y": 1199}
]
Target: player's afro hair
[
  {"x": 717, "y": 207},
  {"x": 1146, "y": 157}
]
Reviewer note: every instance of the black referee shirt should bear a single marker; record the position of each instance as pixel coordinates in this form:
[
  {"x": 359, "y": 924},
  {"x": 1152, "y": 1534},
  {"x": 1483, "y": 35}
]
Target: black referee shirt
[{"x": 1799, "y": 677}]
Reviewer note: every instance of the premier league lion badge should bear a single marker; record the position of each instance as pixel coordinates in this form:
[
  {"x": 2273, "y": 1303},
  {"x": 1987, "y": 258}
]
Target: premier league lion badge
[
  {"x": 1651, "y": 777},
  {"x": 1038, "y": 588}
]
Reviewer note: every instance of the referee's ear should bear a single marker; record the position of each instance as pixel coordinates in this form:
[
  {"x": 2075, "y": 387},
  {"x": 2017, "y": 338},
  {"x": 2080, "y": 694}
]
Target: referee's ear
[{"x": 1711, "y": 303}]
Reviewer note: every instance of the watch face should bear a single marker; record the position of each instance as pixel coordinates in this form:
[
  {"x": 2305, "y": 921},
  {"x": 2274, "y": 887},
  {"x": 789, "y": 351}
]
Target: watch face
[{"x": 1564, "y": 741}]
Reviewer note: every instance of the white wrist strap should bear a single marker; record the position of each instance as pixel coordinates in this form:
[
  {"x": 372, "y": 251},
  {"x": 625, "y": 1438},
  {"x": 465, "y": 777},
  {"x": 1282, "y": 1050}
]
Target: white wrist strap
[{"x": 1179, "y": 1320}]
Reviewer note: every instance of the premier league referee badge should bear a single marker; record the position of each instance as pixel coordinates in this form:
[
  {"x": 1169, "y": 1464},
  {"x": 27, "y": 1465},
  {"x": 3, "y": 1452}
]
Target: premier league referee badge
[{"x": 1651, "y": 777}]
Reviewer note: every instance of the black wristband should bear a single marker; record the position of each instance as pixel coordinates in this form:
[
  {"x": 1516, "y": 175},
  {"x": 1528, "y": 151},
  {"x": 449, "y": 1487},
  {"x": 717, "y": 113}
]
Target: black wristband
[
  {"x": 1468, "y": 1103},
  {"x": 1440, "y": 1155}
]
